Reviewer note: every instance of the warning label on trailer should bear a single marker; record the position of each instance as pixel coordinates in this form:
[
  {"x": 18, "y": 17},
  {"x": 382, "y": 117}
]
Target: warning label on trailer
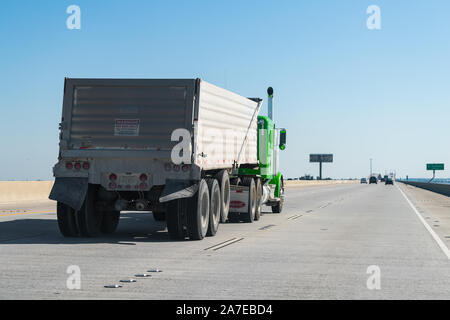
[{"x": 126, "y": 127}]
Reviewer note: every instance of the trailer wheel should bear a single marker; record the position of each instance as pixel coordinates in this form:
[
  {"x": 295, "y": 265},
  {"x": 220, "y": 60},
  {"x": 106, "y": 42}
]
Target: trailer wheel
[
  {"x": 198, "y": 212},
  {"x": 225, "y": 194},
  {"x": 90, "y": 219},
  {"x": 214, "y": 206},
  {"x": 159, "y": 215},
  {"x": 174, "y": 218},
  {"x": 249, "y": 216},
  {"x": 258, "y": 199},
  {"x": 66, "y": 220},
  {"x": 110, "y": 221}
]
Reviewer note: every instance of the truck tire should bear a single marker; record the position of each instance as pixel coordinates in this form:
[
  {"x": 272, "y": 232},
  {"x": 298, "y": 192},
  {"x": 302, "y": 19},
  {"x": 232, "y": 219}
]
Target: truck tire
[
  {"x": 258, "y": 199},
  {"x": 159, "y": 215},
  {"x": 90, "y": 219},
  {"x": 198, "y": 212},
  {"x": 66, "y": 220},
  {"x": 225, "y": 194},
  {"x": 174, "y": 218},
  {"x": 110, "y": 221},
  {"x": 249, "y": 216},
  {"x": 214, "y": 206}
]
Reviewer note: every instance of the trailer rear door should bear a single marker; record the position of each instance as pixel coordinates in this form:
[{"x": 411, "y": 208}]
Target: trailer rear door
[{"x": 116, "y": 114}]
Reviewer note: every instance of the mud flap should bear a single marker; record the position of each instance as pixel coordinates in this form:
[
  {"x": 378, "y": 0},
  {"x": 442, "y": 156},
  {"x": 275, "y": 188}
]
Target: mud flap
[
  {"x": 177, "y": 189},
  {"x": 70, "y": 191}
]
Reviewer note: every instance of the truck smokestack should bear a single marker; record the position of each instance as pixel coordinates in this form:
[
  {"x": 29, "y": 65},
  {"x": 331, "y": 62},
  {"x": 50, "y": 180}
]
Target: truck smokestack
[{"x": 270, "y": 103}]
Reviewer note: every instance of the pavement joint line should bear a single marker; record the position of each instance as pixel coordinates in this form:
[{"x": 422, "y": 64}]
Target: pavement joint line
[
  {"x": 267, "y": 227},
  {"x": 19, "y": 238},
  {"x": 227, "y": 244},
  {"x": 220, "y": 243},
  {"x": 427, "y": 226},
  {"x": 297, "y": 217},
  {"x": 21, "y": 213}
]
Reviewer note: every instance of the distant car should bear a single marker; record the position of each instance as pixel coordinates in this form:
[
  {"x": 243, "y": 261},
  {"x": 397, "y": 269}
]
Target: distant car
[
  {"x": 363, "y": 180},
  {"x": 389, "y": 181},
  {"x": 373, "y": 180}
]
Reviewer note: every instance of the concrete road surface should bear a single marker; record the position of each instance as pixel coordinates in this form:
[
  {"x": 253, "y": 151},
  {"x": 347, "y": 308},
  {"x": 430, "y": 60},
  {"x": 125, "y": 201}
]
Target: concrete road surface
[{"x": 321, "y": 247}]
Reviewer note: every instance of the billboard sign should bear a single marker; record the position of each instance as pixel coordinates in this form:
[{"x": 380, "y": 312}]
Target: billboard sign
[{"x": 320, "y": 158}]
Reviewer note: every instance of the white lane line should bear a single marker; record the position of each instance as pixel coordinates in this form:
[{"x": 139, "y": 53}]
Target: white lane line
[{"x": 427, "y": 226}]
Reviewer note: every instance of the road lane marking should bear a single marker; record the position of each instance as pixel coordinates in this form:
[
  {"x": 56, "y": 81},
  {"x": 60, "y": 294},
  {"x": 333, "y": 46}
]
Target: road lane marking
[
  {"x": 20, "y": 213},
  {"x": 427, "y": 226}
]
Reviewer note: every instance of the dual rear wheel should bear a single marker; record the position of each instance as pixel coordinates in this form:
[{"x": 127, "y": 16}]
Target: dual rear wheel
[
  {"x": 198, "y": 216},
  {"x": 88, "y": 221}
]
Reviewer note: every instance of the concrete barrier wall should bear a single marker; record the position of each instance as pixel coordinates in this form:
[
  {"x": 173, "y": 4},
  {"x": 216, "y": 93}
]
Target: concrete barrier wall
[
  {"x": 11, "y": 191},
  {"x": 315, "y": 183},
  {"x": 24, "y": 190},
  {"x": 434, "y": 187}
]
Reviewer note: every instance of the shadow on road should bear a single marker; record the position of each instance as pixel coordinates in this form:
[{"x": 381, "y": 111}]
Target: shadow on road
[{"x": 132, "y": 228}]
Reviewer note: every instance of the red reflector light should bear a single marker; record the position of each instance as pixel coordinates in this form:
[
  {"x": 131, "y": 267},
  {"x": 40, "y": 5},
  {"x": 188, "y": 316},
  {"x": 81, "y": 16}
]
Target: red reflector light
[
  {"x": 112, "y": 185},
  {"x": 86, "y": 165},
  {"x": 167, "y": 166},
  {"x": 185, "y": 168},
  {"x": 113, "y": 176},
  {"x": 176, "y": 168},
  {"x": 77, "y": 166},
  {"x": 69, "y": 165},
  {"x": 143, "y": 186},
  {"x": 143, "y": 177}
]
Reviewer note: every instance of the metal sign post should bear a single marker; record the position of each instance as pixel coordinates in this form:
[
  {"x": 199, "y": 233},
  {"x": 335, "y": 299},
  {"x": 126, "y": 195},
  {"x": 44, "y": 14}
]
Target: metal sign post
[
  {"x": 434, "y": 167},
  {"x": 320, "y": 158}
]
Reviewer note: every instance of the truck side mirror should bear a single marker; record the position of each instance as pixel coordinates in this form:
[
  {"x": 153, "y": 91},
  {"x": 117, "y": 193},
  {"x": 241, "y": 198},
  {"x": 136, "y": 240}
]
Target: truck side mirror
[{"x": 282, "y": 139}]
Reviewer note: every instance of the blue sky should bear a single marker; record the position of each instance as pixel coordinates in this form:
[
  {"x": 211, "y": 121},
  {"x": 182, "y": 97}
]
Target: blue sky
[{"x": 339, "y": 87}]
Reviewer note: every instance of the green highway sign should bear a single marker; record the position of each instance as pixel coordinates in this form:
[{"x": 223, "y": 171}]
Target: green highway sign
[{"x": 435, "y": 166}]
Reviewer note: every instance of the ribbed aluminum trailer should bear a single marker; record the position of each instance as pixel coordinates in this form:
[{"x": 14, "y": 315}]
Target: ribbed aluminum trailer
[{"x": 170, "y": 146}]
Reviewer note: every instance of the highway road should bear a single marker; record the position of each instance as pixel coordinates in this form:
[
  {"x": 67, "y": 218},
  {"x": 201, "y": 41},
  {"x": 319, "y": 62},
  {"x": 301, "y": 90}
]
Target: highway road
[{"x": 320, "y": 247}]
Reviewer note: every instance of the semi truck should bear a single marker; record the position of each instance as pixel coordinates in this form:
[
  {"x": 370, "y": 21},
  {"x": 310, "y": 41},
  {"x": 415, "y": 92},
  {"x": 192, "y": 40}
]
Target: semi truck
[{"x": 193, "y": 154}]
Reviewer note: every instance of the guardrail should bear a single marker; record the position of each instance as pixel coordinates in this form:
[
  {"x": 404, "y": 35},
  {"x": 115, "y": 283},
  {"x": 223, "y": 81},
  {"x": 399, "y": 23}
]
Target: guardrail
[{"x": 440, "y": 188}]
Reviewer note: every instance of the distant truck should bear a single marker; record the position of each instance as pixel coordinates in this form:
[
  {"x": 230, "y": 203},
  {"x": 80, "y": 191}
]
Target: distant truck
[{"x": 192, "y": 153}]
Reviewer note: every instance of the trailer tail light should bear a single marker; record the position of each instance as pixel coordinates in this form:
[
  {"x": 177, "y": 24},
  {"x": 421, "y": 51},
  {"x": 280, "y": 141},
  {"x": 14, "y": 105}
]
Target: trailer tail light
[
  {"x": 113, "y": 177},
  {"x": 185, "y": 168},
  {"x": 143, "y": 185},
  {"x": 176, "y": 168},
  {"x": 69, "y": 165},
  {"x": 143, "y": 177},
  {"x": 77, "y": 166},
  {"x": 86, "y": 165},
  {"x": 112, "y": 185},
  {"x": 167, "y": 166}
]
